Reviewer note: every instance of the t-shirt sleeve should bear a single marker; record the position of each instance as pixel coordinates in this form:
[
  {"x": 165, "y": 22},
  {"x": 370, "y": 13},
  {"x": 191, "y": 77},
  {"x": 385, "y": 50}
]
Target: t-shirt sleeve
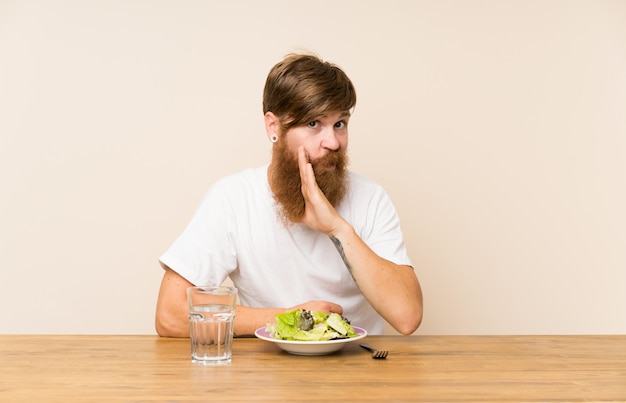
[{"x": 382, "y": 231}]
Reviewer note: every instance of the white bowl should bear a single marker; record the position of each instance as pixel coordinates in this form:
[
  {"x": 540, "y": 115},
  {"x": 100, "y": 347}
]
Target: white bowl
[{"x": 310, "y": 347}]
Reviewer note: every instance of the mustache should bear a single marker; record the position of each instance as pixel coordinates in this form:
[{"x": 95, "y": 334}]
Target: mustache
[{"x": 336, "y": 158}]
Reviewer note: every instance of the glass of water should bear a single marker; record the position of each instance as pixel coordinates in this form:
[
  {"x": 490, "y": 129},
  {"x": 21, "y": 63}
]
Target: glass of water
[{"x": 211, "y": 321}]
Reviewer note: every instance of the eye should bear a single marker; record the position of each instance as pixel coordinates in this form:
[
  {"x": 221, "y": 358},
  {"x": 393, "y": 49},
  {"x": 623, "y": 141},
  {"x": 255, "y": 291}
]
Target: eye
[
  {"x": 312, "y": 124},
  {"x": 340, "y": 125}
]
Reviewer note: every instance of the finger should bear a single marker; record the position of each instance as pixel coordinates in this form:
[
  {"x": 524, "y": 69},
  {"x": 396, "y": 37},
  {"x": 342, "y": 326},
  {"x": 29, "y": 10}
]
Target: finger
[
  {"x": 307, "y": 176},
  {"x": 334, "y": 308},
  {"x": 303, "y": 161}
]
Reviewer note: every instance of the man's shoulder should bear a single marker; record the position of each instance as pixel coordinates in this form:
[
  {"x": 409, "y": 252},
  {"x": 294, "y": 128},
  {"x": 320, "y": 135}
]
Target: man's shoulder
[{"x": 247, "y": 184}]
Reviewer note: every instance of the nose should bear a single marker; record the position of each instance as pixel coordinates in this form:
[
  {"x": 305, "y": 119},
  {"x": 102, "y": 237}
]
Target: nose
[{"x": 330, "y": 140}]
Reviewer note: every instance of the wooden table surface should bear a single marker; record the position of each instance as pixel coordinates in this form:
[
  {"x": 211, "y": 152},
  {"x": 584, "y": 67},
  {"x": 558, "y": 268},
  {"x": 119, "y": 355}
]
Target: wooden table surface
[{"x": 37, "y": 368}]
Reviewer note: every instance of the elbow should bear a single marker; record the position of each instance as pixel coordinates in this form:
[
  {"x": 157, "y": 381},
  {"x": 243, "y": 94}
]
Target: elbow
[
  {"x": 409, "y": 326},
  {"x": 161, "y": 329},
  {"x": 167, "y": 327},
  {"x": 407, "y": 311},
  {"x": 408, "y": 323}
]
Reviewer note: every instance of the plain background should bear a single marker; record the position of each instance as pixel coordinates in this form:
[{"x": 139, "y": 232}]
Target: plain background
[{"x": 498, "y": 128}]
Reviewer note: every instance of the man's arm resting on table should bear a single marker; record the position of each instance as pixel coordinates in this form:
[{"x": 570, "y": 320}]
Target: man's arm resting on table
[{"x": 171, "y": 312}]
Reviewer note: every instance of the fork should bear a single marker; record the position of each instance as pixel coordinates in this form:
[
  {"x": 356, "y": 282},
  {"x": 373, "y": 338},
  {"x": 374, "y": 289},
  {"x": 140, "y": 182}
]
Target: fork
[{"x": 375, "y": 353}]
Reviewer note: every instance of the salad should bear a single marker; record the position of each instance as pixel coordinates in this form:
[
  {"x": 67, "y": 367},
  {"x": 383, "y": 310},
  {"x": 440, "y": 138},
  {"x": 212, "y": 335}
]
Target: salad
[{"x": 304, "y": 325}]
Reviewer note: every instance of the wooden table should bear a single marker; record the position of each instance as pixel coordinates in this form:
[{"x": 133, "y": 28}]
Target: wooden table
[{"x": 39, "y": 368}]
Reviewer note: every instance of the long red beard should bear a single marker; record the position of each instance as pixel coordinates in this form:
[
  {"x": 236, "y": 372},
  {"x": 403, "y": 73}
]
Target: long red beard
[{"x": 286, "y": 184}]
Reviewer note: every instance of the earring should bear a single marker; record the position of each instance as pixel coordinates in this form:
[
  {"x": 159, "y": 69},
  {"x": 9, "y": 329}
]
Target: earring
[{"x": 274, "y": 138}]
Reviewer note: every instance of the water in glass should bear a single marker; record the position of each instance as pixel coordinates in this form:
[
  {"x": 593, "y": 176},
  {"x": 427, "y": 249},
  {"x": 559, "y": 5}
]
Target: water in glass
[{"x": 211, "y": 334}]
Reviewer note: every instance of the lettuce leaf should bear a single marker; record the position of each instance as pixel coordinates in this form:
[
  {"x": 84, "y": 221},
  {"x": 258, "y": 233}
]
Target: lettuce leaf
[{"x": 326, "y": 327}]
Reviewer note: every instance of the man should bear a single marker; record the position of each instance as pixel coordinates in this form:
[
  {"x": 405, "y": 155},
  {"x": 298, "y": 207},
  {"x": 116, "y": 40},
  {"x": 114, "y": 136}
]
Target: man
[{"x": 303, "y": 231}]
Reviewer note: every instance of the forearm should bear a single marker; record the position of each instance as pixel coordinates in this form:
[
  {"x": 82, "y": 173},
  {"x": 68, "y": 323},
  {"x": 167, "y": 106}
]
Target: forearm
[
  {"x": 248, "y": 319},
  {"x": 393, "y": 290},
  {"x": 172, "y": 319}
]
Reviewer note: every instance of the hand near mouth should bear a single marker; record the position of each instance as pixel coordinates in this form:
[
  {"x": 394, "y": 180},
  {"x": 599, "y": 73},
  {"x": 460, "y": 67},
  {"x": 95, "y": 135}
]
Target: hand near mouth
[{"x": 319, "y": 214}]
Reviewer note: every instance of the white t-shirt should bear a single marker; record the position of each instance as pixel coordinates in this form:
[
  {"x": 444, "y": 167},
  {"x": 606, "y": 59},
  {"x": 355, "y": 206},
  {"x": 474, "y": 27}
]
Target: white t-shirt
[{"x": 236, "y": 233}]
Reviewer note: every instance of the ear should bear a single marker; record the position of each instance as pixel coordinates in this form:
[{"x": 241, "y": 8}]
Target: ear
[{"x": 272, "y": 125}]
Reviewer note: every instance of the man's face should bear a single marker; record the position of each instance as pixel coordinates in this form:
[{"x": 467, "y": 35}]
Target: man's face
[
  {"x": 320, "y": 137},
  {"x": 325, "y": 142}
]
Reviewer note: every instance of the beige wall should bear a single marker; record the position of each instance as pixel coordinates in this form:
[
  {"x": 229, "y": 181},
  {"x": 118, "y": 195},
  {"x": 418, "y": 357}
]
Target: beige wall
[{"x": 498, "y": 127}]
